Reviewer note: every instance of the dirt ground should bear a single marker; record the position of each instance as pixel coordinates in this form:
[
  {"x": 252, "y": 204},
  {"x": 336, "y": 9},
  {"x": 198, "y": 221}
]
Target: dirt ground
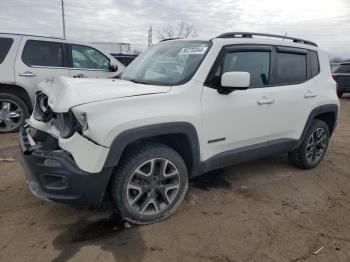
[{"x": 265, "y": 210}]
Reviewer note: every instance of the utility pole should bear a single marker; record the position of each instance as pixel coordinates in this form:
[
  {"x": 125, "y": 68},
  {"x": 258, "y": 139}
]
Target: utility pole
[
  {"x": 63, "y": 21},
  {"x": 150, "y": 32}
]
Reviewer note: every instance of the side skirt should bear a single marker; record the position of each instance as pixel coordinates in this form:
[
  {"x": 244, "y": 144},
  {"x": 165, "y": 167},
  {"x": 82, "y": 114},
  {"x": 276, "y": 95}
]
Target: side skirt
[{"x": 248, "y": 153}]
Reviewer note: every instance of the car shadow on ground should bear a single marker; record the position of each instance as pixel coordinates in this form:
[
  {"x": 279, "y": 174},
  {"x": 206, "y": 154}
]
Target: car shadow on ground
[
  {"x": 230, "y": 178},
  {"x": 111, "y": 234}
]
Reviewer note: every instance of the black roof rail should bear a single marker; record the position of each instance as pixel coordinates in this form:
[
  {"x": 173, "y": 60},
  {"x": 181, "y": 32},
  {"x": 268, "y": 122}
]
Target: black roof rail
[{"x": 250, "y": 35}]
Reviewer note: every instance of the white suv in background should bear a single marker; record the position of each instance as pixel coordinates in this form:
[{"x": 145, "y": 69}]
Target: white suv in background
[
  {"x": 27, "y": 60},
  {"x": 182, "y": 108}
]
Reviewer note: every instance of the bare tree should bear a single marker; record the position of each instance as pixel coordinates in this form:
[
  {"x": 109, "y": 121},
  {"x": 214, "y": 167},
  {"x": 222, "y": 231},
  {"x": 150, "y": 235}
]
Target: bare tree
[
  {"x": 181, "y": 30},
  {"x": 335, "y": 59}
]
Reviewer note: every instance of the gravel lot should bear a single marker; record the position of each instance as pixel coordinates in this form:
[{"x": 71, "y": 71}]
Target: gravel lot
[{"x": 265, "y": 210}]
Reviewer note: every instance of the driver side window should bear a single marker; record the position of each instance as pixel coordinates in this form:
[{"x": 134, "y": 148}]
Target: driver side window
[
  {"x": 256, "y": 63},
  {"x": 88, "y": 58}
]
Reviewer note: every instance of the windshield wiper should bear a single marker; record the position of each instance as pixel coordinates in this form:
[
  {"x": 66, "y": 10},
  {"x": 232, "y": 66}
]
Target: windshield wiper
[{"x": 138, "y": 82}]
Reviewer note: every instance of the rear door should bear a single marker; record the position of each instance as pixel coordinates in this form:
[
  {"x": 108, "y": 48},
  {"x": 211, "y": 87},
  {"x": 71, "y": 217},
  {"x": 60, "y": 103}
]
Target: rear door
[
  {"x": 39, "y": 59},
  {"x": 88, "y": 62},
  {"x": 293, "y": 90},
  {"x": 8, "y": 49}
]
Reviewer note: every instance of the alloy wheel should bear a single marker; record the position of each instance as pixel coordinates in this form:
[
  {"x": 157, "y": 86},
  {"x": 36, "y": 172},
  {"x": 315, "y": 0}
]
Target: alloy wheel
[
  {"x": 316, "y": 145},
  {"x": 11, "y": 115},
  {"x": 153, "y": 186}
]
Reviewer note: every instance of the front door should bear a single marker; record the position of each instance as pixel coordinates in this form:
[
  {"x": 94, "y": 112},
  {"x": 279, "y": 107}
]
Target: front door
[{"x": 242, "y": 117}]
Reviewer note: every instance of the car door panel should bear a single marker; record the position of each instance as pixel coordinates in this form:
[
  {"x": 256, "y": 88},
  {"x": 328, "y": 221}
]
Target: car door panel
[
  {"x": 237, "y": 119},
  {"x": 242, "y": 117},
  {"x": 294, "y": 92},
  {"x": 291, "y": 108},
  {"x": 40, "y": 60}
]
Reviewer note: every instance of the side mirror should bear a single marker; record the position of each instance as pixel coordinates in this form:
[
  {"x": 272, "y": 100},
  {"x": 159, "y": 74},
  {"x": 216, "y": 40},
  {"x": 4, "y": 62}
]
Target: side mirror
[
  {"x": 231, "y": 81},
  {"x": 113, "y": 68}
]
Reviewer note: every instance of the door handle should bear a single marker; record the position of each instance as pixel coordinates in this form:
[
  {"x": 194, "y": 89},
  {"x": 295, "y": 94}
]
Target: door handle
[
  {"x": 266, "y": 100},
  {"x": 310, "y": 94},
  {"x": 79, "y": 76},
  {"x": 27, "y": 74}
]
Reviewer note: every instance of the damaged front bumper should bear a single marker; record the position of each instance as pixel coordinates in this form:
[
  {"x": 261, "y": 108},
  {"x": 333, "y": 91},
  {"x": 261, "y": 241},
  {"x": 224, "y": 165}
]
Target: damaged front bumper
[{"x": 53, "y": 174}]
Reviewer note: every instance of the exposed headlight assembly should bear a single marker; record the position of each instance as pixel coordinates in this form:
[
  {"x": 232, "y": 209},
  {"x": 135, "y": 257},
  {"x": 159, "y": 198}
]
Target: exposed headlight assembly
[
  {"x": 42, "y": 111},
  {"x": 82, "y": 119},
  {"x": 67, "y": 124}
]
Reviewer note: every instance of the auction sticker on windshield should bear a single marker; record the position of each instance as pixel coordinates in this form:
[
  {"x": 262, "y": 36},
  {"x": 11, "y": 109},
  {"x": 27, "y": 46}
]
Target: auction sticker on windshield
[{"x": 193, "y": 50}]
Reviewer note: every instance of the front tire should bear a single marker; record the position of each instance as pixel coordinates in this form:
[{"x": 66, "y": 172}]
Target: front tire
[
  {"x": 149, "y": 184},
  {"x": 313, "y": 148},
  {"x": 13, "y": 113}
]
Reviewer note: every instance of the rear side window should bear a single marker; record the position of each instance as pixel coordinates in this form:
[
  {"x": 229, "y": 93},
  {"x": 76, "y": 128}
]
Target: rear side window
[
  {"x": 42, "y": 53},
  {"x": 291, "y": 68},
  {"x": 5, "y": 45},
  {"x": 315, "y": 65}
]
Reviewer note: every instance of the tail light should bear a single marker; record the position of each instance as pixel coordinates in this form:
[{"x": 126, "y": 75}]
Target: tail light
[{"x": 334, "y": 77}]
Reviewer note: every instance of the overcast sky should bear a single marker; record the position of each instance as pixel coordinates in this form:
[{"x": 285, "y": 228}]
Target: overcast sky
[{"x": 323, "y": 21}]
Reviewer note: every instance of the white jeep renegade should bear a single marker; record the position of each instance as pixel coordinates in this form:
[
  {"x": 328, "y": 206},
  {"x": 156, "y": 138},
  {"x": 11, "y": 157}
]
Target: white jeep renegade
[{"x": 181, "y": 109}]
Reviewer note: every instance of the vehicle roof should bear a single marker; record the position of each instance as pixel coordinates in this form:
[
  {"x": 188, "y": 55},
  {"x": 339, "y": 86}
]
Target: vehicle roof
[
  {"x": 47, "y": 37},
  {"x": 56, "y": 38},
  {"x": 263, "y": 39}
]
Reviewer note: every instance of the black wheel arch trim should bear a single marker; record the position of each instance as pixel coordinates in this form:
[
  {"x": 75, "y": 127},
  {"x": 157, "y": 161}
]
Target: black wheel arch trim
[
  {"x": 127, "y": 137},
  {"x": 329, "y": 108}
]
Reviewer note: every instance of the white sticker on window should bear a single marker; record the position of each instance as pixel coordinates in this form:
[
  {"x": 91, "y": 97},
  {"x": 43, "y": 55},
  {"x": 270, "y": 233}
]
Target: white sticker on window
[{"x": 193, "y": 50}]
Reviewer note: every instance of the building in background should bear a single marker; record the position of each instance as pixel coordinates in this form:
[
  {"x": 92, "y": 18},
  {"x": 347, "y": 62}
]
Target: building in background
[{"x": 113, "y": 48}]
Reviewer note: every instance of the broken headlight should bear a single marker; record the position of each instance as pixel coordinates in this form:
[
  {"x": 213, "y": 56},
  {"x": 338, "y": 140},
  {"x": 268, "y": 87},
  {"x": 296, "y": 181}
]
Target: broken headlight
[
  {"x": 67, "y": 124},
  {"x": 42, "y": 111}
]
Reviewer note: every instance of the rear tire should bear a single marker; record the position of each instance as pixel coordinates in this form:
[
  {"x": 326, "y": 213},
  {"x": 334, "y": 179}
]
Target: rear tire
[
  {"x": 13, "y": 113},
  {"x": 313, "y": 148},
  {"x": 149, "y": 184}
]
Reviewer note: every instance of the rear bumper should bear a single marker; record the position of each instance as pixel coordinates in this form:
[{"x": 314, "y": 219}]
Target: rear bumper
[{"x": 54, "y": 175}]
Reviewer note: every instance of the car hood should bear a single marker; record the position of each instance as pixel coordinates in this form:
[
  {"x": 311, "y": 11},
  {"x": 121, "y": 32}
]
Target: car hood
[{"x": 65, "y": 93}]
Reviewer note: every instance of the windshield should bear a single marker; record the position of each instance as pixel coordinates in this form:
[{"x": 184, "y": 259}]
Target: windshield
[{"x": 168, "y": 63}]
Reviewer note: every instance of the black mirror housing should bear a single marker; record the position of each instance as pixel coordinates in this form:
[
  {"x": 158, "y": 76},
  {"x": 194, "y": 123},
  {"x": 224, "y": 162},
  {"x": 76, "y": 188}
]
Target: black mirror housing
[{"x": 113, "y": 68}]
